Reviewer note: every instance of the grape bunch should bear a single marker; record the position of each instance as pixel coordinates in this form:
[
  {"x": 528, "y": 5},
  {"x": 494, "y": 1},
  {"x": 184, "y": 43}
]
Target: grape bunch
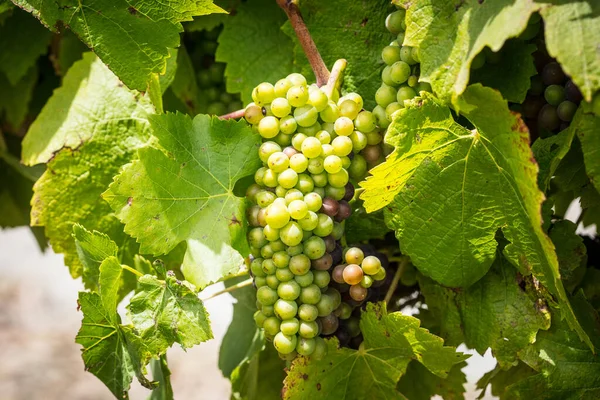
[
  {"x": 300, "y": 200},
  {"x": 400, "y": 76},
  {"x": 211, "y": 75}
]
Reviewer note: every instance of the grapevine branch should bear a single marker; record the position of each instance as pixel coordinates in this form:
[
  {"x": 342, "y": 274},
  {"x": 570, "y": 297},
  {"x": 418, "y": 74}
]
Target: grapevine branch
[
  {"x": 233, "y": 115},
  {"x": 306, "y": 41},
  {"x": 394, "y": 284},
  {"x": 240, "y": 285}
]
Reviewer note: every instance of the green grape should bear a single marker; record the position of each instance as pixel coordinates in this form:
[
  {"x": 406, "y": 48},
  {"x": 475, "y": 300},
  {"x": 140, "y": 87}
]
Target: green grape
[
  {"x": 298, "y": 162},
  {"x": 344, "y": 311},
  {"x": 288, "y": 290},
  {"x": 265, "y": 198},
  {"x": 305, "y": 183},
  {"x": 385, "y": 95},
  {"x": 288, "y": 178},
  {"x": 268, "y": 265},
  {"x": 386, "y": 76},
  {"x": 259, "y": 318},
  {"x": 566, "y": 110},
  {"x": 284, "y": 275},
  {"x": 253, "y": 114},
  {"x": 393, "y": 22},
  {"x": 280, "y": 190},
  {"x": 278, "y": 161},
  {"x": 256, "y": 238},
  {"x": 293, "y": 194},
  {"x": 266, "y": 296},
  {"x": 330, "y": 113},
  {"x": 392, "y": 108},
  {"x": 308, "y": 329},
  {"x": 311, "y": 147},
  {"x": 285, "y": 344},
  {"x": 415, "y": 54},
  {"x": 345, "y": 159},
  {"x": 297, "y": 96},
  {"x": 310, "y": 130},
  {"x": 287, "y": 125},
  {"x": 413, "y": 81},
  {"x": 319, "y": 191},
  {"x": 304, "y": 280},
  {"x": 314, "y": 248},
  {"x": 423, "y": 87},
  {"x": 291, "y": 234},
  {"x": 359, "y": 142},
  {"x": 374, "y": 138},
  {"x": 282, "y": 86},
  {"x": 343, "y": 125},
  {"x": 310, "y": 294},
  {"x": 380, "y": 275},
  {"x": 268, "y": 127},
  {"x": 336, "y": 193},
  {"x": 315, "y": 165},
  {"x": 298, "y": 209},
  {"x": 289, "y": 327},
  {"x": 259, "y": 175},
  {"x": 342, "y": 145},
  {"x": 272, "y": 282},
  {"x": 277, "y": 216},
  {"x": 355, "y": 97},
  {"x": 281, "y": 259},
  {"x": 309, "y": 222},
  {"x": 554, "y": 94},
  {"x": 324, "y": 137},
  {"x": 263, "y": 94},
  {"x": 320, "y": 179},
  {"x": 390, "y": 54},
  {"x": 348, "y": 108},
  {"x": 381, "y": 117},
  {"x": 271, "y": 233},
  {"x": 322, "y": 278},
  {"x": 259, "y": 281},
  {"x": 299, "y": 264},
  {"x": 297, "y": 141},
  {"x": 317, "y": 99},
  {"x": 305, "y": 347},
  {"x": 338, "y": 179},
  {"x": 252, "y": 191},
  {"x": 267, "y": 149},
  {"x": 399, "y": 72},
  {"x": 271, "y": 325},
  {"x": 406, "y": 55},
  {"x": 354, "y": 255},
  {"x": 338, "y": 230},
  {"x": 325, "y": 305},
  {"x": 285, "y": 309},
  {"x": 365, "y": 122},
  {"x": 358, "y": 168},
  {"x": 332, "y": 164},
  {"x": 324, "y": 226},
  {"x": 256, "y": 267},
  {"x": 320, "y": 350},
  {"x": 308, "y": 312},
  {"x": 295, "y": 250},
  {"x": 297, "y": 79},
  {"x": 280, "y": 107},
  {"x": 405, "y": 93},
  {"x": 306, "y": 115}
]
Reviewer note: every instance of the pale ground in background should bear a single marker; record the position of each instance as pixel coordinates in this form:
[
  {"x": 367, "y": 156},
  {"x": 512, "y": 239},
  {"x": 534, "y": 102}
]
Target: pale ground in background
[{"x": 39, "y": 320}]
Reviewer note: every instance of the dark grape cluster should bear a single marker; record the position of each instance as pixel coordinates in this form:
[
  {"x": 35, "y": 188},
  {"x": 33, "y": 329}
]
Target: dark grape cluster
[
  {"x": 300, "y": 200},
  {"x": 211, "y": 75}
]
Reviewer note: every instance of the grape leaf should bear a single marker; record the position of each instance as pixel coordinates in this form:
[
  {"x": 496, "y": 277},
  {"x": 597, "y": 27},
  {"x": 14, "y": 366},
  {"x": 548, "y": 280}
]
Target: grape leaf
[
  {"x": 167, "y": 311},
  {"x": 89, "y": 128},
  {"x": 254, "y": 47},
  {"x": 452, "y": 189},
  {"x": 364, "y": 226},
  {"x": 132, "y": 37},
  {"x": 92, "y": 249},
  {"x": 500, "y": 379},
  {"x": 161, "y": 374},
  {"x": 570, "y": 250},
  {"x": 420, "y": 384},
  {"x": 391, "y": 341},
  {"x": 501, "y": 311},
  {"x": 549, "y": 152},
  {"x": 187, "y": 194},
  {"x": 15, "y": 99},
  {"x": 110, "y": 351},
  {"x": 587, "y": 127},
  {"x": 567, "y": 368},
  {"x": 260, "y": 377},
  {"x": 69, "y": 50},
  {"x": 452, "y": 33},
  {"x": 184, "y": 85},
  {"x": 511, "y": 75},
  {"x": 572, "y": 37},
  {"x": 22, "y": 41},
  {"x": 211, "y": 21},
  {"x": 352, "y": 30}
]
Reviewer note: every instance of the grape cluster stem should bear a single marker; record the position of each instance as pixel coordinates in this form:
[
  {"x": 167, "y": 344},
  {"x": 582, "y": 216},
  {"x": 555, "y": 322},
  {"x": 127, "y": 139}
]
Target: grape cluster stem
[
  {"x": 240, "y": 285},
  {"x": 397, "y": 276}
]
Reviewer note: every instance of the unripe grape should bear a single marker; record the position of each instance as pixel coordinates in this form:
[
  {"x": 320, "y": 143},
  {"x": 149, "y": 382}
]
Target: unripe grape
[
  {"x": 256, "y": 238},
  {"x": 277, "y": 216},
  {"x": 315, "y": 165},
  {"x": 390, "y": 54},
  {"x": 405, "y": 93},
  {"x": 288, "y": 290},
  {"x": 288, "y": 178},
  {"x": 299, "y": 162},
  {"x": 271, "y": 326},
  {"x": 318, "y": 99},
  {"x": 554, "y": 94},
  {"x": 336, "y": 193},
  {"x": 321, "y": 276},
  {"x": 278, "y": 161},
  {"x": 306, "y": 115},
  {"x": 280, "y": 107},
  {"x": 282, "y": 86},
  {"x": 326, "y": 305},
  {"x": 566, "y": 110},
  {"x": 289, "y": 327},
  {"x": 305, "y": 280},
  {"x": 320, "y": 179},
  {"x": 263, "y": 94},
  {"x": 330, "y": 113},
  {"x": 313, "y": 202},
  {"x": 343, "y": 125},
  {"x": 284, "y": 275},
  {"x": 358, "y": 167},
  {"x": 297, "y": 141},
  {"x": 339, "y": 179},
  {"x": 296, "y": 79},
  {"x": 394, "y": 21},
  {"x": 297, "y": 96},
  {"x": 266, "y": 296},
  {"x": 285, "y": 309},
  {"x": 267, "y": 149},
  {"x": 406, "y": 55},
  {"x": 314, "y": 247},
  {"x": 305, "y": 184},
  {"x": 342, "y": 145},
  {"x": 285, "y": 344},
  {"x": 310, "y": 295},
  {"x": 253, "y": 114},
  {"x": 329, "y": 324},
  {"x": 259, "y": 318},
  {"x": 381, "y": 117},
  {"x": 385, "y": 95},
  {"x": 288, "y": 125},
  {"x": 268, "y": 127},
  {"x": 391, "y": 109},
  {"x": 308, "y": 329},
  {"x": 311, "y": 147},
  {"x": 308, "y": 312},
  {"x": 320, "y": 350},
  {"x": 309, "y": 222},
  {"x": 348, "y": 108},
  {"x": 268, "y": 265}
]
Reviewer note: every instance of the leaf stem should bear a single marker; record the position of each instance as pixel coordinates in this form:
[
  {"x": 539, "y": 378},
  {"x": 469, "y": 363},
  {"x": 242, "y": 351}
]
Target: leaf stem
[
  {"x": 394, "y": 284},
  {"x": 234, "y": 115},
  {"x": 306, "y": 41},
  {"x": 133, "y": 271},
  {"x": 240, "y": 285}
]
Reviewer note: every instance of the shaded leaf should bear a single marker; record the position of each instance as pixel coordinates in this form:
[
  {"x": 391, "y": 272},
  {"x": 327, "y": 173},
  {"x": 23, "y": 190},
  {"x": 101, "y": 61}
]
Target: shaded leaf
[
  {"x": 92, "y": 248},
  {"x": 420, "y": 384}
]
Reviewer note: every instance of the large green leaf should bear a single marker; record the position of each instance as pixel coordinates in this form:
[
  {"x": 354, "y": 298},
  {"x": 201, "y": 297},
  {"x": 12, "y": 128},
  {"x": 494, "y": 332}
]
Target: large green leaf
[
  {"x": 161, "y": 374},
  {"x": 452, "y": 33},
  {"x": 420, "y": 384},
  {"x": 353, "y": 30},
  {"x": 22, "y": 41},
  {"x": 448, "y": 190},
  {"x": 132, "y": 37},
  {"x": 110, "y": 351},
  {"x": 570, "y": 250},
  {"x": 572, "y": 37},
  {"x": 260, "y": 377},
  {"x": 501, "y": 311},
  {"x": 567, "y": 368},
  {"x": 87, "y": 131},
  {"x": 254, "y": 47},
  {"x": 167, "y": 311},
  {"x": 587, "y": 126},
  {"x": 15, "y": 99},
  {"x": 184, "y": 192},
  {"x": 391, "y": 341},
  {"x": 92, "y": 248}
]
